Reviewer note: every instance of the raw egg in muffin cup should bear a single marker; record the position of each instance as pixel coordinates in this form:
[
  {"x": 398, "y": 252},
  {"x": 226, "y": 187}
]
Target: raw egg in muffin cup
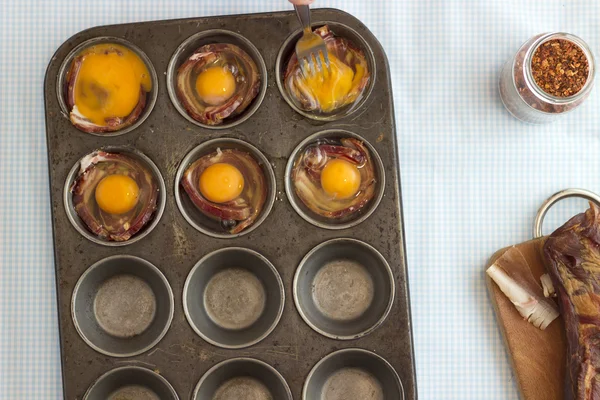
[
  {"x": 114, "y": 197},
  {"x": 229, "y": 187},
  {"x": 107, "y": 85},
  {"x": 331, "y": 93},
  {"x": 334, "y": 179},
  {"x": 216, "y": 78}
]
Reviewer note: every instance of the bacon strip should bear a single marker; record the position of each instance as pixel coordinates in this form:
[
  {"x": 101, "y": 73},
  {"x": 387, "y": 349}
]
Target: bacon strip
[
  {"x": 307, "y": 173},
  {"x": 112, "y": 124},
  {"x": 94, "y": 167},
  {"x": 246, "y": 208},
  {"x": 241, "y": 66}
]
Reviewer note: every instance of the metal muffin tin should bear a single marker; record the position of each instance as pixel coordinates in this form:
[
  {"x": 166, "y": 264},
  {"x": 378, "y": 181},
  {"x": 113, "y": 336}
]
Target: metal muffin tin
[{"x": 284, "y": 238}]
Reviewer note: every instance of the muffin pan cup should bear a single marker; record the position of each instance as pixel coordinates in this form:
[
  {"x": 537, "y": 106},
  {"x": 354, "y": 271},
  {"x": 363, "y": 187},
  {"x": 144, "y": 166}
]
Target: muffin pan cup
[
  {"x": 284, "y": 238},
  {"x": 161, "y": 200},
  {"x": 122, "y": 306},
  {"x": 344, "y": 289},
  {"x": 61, "y": 80},
  {"x": 130, "y": 382},
  {"x": 201, "y": 221},
  {"x": 233, "y": 298},
  {"x": 252, "y": 378},
  {"x": 353, "y": 372},
  {"x": 212, "y": 36},
  {"x": 352, "y": 219},
  {"x": 289, "y": 47}
]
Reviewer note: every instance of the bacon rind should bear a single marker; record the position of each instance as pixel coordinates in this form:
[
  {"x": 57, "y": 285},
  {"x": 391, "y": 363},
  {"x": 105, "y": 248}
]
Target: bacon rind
[
  {"x": 245, "y": 92},
  {"x": 341, "y": 48},
  {"x": 246, "y": 208},
  {"x": 572, "y": 255},
  {"x": 116, "y": 228},
  {"x": 308, "y": 187},
  {"x": 113, "y": 124}
]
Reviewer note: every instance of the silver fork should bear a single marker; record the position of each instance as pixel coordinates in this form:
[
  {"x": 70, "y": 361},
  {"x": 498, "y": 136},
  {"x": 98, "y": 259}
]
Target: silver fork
[{"x": 310, "y": 47}]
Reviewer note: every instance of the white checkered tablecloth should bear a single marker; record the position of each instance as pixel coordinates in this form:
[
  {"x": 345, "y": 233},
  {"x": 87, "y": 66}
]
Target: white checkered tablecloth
[{"x": 472, "y": 176}]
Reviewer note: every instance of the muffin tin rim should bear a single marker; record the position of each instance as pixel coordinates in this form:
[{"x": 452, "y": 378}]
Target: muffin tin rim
[
  {"x": 164, "y": 280},
  {"x": 171, "y": 76},
  {"x": 104, "y": 39},
  {"x": 387, "y": 267},
  {"x": 270, "y": 178},
  {"x": 290, "y": 189},
  {"x": 272, "y": 327},
  {"x": 161, "y": 200}
]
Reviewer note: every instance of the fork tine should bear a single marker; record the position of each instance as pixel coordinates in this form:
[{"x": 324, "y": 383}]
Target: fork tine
[
  {"x": 304, "y": 66},
  {"x": 326, "y": 58},
  {"x": 317, "y": 57}
]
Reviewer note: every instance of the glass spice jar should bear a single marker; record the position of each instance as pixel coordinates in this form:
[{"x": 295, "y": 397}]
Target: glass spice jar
[{"x": 524, "y": 98}]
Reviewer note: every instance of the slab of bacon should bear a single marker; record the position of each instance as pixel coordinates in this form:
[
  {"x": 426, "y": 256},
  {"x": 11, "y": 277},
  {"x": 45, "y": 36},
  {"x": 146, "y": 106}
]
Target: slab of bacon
[
  {"x": 572, "y": 255},
  {"x": 93, "y": 168},
  {"x": 240, "y": 213}
]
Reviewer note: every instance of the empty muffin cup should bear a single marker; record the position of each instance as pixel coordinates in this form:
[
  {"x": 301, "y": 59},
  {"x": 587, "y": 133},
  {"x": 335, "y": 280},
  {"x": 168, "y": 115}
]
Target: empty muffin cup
[
  {"x": 62, "y": 83},
  {"x": 233, "y": 298},
  {"x": 353, "y": 374},
  {"x": 131, "y": 382},
  {"x": 339, "y": 30},
  {"x": 216, "y": 36},
  {"x": 362, "y": 210},
  {"x": 242, "y": 378},
  {"x": 211, "y": 225},
  {"x": 122, "y": 306},
  {"x": 161, "y": 200},
  {"x": 344, "y": 289}
]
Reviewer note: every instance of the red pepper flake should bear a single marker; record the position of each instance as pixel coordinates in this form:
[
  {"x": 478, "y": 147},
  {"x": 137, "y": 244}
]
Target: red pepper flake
[{"x": 560, "y": 68}]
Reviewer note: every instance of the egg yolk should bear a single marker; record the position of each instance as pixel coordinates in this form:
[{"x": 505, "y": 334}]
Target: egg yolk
[
  {"x": 117, "y": 194},
  {"x": 221, "y": 183},
  {"x": 330, "y": 88},
  {"x": 340, "y": 179},
  {"x": 215, "y": 85},
  {"x": 108, "y": 83}
]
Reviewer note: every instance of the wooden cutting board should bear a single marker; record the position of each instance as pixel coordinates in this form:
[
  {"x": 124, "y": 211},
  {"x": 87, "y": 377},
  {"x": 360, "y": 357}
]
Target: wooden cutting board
[{"x": 537, "y": 357}]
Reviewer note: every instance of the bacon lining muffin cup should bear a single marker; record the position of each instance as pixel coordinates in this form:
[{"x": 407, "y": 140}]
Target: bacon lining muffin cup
[
  {"x": 216, "y": 37},
  {"x": 147, "y": 227},
  {"x": 211, "y": 225},
  {"x": 339, "y": 30},
  {"x": 353, "y": 218},
  {"x": 137, "y": 116}
]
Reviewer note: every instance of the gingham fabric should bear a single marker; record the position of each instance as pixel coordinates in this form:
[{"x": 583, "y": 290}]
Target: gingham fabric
[{"x": 472, "y": 176}]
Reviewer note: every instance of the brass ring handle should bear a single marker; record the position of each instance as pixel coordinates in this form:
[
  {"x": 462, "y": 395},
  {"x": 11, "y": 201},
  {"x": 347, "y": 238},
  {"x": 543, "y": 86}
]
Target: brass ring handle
[{"x": 555, "y": 198}]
